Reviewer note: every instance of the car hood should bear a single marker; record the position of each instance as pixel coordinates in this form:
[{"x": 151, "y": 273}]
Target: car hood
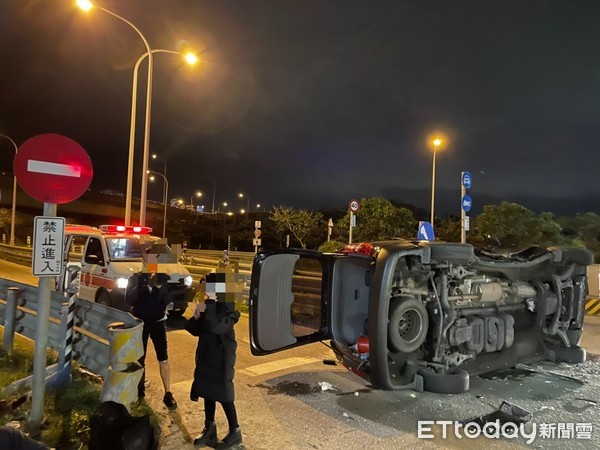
[{"x": 126, "y": 268}]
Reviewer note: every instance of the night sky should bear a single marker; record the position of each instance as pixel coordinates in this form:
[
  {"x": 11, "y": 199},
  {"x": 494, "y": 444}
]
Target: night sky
[{"x": 312, "y": 103}]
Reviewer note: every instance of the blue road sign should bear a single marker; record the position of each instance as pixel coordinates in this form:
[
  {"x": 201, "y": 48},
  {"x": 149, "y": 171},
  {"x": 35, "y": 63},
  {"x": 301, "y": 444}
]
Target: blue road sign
[
  {"x": 425, "y": 232},
  {"x": 466, "y": 203},
  {"x": 467, "y": 180}
]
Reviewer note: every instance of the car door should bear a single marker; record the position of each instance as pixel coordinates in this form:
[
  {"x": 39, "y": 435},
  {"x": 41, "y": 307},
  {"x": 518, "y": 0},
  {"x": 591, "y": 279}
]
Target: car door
[
  {"x": 92, "y": 268},
  {"x": 289, "y": 300}
]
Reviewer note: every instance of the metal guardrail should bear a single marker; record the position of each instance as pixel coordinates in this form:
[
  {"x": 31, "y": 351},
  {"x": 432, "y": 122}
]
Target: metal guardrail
[{"x": 91, "y": 347}]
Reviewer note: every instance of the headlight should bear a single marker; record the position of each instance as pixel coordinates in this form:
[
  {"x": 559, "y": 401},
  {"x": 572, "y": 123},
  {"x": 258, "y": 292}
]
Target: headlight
[
  {"x": 188, "y": 280},
  {"x": 122, "y": 283}
]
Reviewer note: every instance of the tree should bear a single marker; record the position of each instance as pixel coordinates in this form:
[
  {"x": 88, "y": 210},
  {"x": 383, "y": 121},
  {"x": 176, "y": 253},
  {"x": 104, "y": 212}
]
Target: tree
[
  {"x": 307, "y": 227},
  {"x": 448, "y": 230},
  {"x": 5, "y": 219},
  {"x": 516, "y": 226},
  {"x": 584, "y": 230},
  {"x": 378, "y": 219}
]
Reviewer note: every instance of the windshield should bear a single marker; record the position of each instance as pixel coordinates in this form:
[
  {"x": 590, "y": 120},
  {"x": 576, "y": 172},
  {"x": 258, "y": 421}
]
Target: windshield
[{"x": 120, "y": 247}]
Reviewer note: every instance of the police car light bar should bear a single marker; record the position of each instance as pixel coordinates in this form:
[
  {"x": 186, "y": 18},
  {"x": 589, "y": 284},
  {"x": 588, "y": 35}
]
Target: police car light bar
[{"x": 125, "y": 229}]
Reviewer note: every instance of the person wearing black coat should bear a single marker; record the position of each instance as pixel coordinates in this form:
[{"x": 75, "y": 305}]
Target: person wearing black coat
[
  {"x": 148, "y": 300},
  {"x": 213, "y": 323}
]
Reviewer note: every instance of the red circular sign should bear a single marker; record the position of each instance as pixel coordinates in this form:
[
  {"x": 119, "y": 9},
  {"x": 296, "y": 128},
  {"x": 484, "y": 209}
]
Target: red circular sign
[
  {"x": 354, "y": 205},
  {"x": 53, "y": 168}
]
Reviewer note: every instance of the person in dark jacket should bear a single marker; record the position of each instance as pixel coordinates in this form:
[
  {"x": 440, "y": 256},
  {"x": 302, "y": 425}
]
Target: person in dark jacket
[
  {"x": 213, "y": 323},
  {"x": 148, "y": 301}
]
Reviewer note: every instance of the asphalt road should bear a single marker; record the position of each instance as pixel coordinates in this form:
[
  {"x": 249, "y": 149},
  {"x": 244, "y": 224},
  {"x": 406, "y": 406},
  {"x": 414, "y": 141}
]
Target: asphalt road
[{"x": 281, "y": 403}]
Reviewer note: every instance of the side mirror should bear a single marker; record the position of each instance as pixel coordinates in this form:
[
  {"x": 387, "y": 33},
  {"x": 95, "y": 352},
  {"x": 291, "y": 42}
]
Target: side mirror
[{"x": 93, "y": 259}]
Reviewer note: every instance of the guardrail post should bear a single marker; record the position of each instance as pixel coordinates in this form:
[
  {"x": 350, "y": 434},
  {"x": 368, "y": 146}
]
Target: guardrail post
[
  {"x": 125, "y": 372},
  {"x": 9, "y": 321}
]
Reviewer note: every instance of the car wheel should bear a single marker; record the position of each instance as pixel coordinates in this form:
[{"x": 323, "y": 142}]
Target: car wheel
[
  {"x": 455, "y": 381},
  {"x": 103, "y": 299},
  {"x": 408, "y": 325}
]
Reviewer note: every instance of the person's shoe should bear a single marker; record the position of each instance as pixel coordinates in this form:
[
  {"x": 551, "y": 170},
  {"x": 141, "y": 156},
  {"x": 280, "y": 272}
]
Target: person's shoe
[
  {"x": 208, "y": 437},
  {"x": 169, "y": 401},
  {"x": 233, "y": 438}
]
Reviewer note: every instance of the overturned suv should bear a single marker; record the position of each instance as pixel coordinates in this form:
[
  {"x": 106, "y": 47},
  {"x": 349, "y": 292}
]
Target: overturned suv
[{"x": 422, "y": 314}]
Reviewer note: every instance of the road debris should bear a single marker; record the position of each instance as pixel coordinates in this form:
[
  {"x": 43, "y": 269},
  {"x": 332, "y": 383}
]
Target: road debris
[{"x": 325, "y": 386}]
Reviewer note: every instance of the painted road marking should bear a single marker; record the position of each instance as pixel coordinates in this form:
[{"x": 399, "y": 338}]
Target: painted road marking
[
  {"x": 50, "y": 168},
  {"x": 274, "y": 366}
]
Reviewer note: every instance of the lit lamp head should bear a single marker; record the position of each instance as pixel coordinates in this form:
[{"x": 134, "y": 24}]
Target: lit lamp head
[
  {"x": 190, "y": 58},
  {"x": 85, "y": 5}
]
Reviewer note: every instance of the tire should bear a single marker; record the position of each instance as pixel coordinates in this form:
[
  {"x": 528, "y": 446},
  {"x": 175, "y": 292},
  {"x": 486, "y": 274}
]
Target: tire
[
  {"x": 104, "y": 299},
  {"x": 408, "y": 325},
  {"x": 455, "y": 381}
]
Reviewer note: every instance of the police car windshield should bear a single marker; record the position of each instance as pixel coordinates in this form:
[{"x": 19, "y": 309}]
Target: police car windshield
[{"x": 133, "y": 247}]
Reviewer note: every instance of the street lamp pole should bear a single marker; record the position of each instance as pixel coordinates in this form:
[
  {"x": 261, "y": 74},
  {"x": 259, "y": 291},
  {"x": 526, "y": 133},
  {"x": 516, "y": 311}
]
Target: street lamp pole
[
  {"x": 86, "y": 5},
  {"x": 436, "y": 144},
  {"x": 214, "y": 182},
  {"x": 165, "y": 197},
  {"x": 14, "y": 196},
  {"x": 155, "y": 156},
  {"x": 129, "y": 191},
  {"x": 242, "y": 195},
  {"x": 197, "y": 194}
]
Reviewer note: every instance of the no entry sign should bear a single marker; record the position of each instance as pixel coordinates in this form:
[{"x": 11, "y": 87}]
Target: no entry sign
[{"x": 53, "y": 168}]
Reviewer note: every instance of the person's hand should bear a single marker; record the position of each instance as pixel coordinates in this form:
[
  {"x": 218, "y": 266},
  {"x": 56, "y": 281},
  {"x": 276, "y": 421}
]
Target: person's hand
[{"x": 200, "y": 308}]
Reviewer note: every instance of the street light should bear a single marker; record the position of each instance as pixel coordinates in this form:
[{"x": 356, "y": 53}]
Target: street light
[
  {"x": 86, "y": 5},
  {"x": 438, "y": 141},
  {"x": 155, "y": 156},
  {"x": 165, "y": 197},
  {"x": 242, "y": 195},
  {"x": 224, "y": 205},
  {"x": 14, "y": 196},
  {"x": 197, "y": 194},
  {"x": 129, "y": 194},
  {"x": 214, "y": 182}
]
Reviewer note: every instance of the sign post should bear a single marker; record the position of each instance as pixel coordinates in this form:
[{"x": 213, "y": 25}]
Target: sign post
[
  {"x": 354, "y": 206},
  {"x": 466, "y": 182},
  {"x": 329, "y": 229},
  {"x": 256, "y": 241},
  {"x": 52, "y": 169}
]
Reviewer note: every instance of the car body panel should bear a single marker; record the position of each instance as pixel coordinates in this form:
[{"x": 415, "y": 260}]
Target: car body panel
[{"x": 464, "y": 308}]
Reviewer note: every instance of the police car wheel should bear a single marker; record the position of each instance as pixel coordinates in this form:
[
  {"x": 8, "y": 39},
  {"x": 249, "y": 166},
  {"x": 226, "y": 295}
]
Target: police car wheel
[{"x": 103, "y": 299}]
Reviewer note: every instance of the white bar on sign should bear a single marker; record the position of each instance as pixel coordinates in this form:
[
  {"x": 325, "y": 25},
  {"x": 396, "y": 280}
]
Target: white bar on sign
[{"x": 50, "y": 168}]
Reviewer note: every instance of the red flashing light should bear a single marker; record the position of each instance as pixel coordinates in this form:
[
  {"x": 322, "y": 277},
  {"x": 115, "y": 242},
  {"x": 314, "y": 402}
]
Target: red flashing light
[
  {"x": 363, "y": 248},
  {"x": 125, "y": 229}
]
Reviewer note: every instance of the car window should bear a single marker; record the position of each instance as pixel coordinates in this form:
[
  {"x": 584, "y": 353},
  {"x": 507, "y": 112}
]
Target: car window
[
  {"x": 76, "y": 248},
  {"x": 94, "y": 249},
  {"x": 306, "y": 288},
  {"x": 120, "y": 247}
]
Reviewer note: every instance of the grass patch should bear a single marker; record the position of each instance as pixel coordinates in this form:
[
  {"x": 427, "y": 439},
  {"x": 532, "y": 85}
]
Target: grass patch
[{"x": 67, "y": 410}]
